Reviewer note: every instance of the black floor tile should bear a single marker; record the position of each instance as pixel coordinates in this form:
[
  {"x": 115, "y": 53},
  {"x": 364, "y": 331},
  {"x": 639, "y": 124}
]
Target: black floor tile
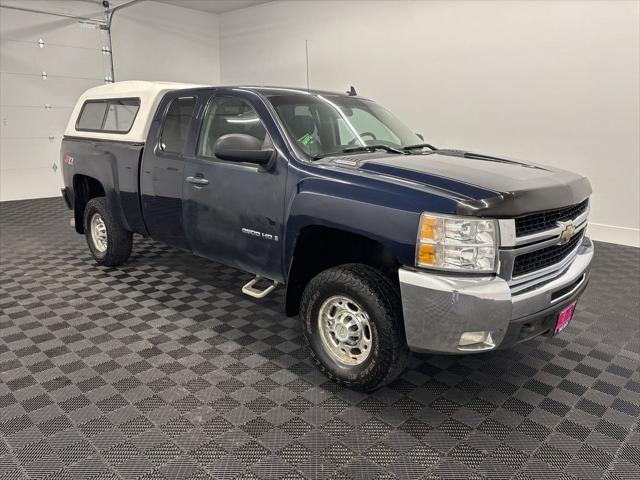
[{"x": 162, "y": 369}]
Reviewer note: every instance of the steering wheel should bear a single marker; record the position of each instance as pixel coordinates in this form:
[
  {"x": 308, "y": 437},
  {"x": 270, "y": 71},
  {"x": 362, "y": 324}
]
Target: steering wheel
[{"x": 364, "y": 134}]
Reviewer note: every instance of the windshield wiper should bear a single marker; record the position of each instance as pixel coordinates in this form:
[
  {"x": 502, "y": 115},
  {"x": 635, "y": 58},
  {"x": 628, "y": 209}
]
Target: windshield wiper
[
  {"x": 419, "y": 146},
  {"x": 372, "y": 148},
  {"x": 362, "y": 149}
]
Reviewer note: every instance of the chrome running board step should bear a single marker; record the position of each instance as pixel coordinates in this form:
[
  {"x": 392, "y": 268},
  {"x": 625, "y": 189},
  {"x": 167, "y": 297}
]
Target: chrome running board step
[{"x": 249, "y": 288}]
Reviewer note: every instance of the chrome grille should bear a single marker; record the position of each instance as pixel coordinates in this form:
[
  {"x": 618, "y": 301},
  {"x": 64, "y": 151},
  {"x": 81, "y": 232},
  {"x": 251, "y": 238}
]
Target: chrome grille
[
  {"x": 529, "y": 260},
  {"x": 545, "y": 257},
  {"x": 541, "y": 221}
]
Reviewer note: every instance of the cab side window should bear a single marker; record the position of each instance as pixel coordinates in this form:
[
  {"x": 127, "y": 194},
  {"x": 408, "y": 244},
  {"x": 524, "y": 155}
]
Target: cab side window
[
  {"x": 177, "y": 123},
  {"x": 227, "y": 115}
]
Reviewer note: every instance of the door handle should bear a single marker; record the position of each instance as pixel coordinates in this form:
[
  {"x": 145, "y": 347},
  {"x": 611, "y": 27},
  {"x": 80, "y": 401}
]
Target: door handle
[{"x": 198, "y": 180}]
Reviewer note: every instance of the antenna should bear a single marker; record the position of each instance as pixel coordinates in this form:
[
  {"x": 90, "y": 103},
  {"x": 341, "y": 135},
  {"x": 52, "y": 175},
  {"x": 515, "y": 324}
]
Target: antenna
[
  {"x": 352, "y": 92},
  {"x": 306, "y": 50}
]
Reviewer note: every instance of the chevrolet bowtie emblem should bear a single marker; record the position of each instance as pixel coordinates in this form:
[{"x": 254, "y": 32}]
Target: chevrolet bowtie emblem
[{"x": 567, "y": 232}]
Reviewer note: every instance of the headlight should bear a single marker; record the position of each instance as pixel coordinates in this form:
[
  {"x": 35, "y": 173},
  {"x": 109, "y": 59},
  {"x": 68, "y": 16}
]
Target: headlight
[{"x": 457, "y": 243}]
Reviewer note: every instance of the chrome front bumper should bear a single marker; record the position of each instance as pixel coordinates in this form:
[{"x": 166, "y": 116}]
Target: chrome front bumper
[{"x": 439, "y": 308}]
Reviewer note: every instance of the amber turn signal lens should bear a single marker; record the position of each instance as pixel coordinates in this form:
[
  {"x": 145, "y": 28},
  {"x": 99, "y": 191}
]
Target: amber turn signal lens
[
  {"x": 428, "y": 228},
  {"x": 427, "y": 254}
]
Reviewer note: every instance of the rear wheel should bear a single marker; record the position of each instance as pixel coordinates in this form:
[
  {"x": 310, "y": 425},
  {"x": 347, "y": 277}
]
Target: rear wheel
[
  {"x": 109, "y": 242},
  {"x": 352, "y": 318}
]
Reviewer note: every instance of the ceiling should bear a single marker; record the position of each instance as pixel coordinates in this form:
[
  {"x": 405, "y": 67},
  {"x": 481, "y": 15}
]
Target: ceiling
[
  {"x": 94, "y": 9},
  {"x": 214, "y": 6}
]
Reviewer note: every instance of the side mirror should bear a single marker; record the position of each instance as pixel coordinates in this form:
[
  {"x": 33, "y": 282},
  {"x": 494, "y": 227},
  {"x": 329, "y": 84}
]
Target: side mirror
[
  {"x": 240, "y": 147},
  {"x": 419, "y": 135}
]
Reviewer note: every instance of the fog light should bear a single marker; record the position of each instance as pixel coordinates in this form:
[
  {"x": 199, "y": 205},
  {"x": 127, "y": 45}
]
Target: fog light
[{"x": 476, "y": 341}]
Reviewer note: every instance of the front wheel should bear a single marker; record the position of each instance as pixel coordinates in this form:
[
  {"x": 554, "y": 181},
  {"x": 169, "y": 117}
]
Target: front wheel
[
  {"x": 352, "y": 318},
  {"x": 109, "y": 242}
]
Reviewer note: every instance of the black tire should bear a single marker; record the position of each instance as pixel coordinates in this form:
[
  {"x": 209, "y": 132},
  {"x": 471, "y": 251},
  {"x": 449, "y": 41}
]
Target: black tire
[
  {"x": 380, "y": 299},
  {"x": 119, "y": 241}
]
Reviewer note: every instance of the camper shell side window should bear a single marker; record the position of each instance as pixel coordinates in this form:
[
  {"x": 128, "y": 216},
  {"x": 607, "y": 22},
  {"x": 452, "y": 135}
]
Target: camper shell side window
[{"x": 108, "y": 115}]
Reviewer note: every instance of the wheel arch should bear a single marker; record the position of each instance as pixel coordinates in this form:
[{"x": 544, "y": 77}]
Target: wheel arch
[
  {"x": 319, "y": 247},
  {"x": 84, "y": 189}
]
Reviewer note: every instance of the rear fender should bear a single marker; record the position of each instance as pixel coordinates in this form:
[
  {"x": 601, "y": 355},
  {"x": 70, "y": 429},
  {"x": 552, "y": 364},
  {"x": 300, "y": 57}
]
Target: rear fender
[{"x": 114, "y": 165}]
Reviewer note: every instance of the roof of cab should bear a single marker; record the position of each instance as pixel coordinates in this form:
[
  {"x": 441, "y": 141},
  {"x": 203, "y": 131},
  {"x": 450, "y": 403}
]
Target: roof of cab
[
  {"x": 270, "y": 91},
  {"x": 149, "y": 94}
]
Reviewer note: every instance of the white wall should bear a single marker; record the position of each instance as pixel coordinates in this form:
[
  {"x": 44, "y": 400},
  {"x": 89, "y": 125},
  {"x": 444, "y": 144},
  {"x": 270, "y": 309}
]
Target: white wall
[
  {"x": 551, "y": 82},
  {"x": 34, "y": 110},
  {"x": 151, "y": 41},
  {"x": 155, "y": 41}
]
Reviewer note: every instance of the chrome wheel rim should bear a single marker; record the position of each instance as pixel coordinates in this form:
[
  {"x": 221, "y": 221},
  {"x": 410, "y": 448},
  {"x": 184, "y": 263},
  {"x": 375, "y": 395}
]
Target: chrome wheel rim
[
  {"x": 345, "y": 330},
  {"x": 99, "y": 233}
]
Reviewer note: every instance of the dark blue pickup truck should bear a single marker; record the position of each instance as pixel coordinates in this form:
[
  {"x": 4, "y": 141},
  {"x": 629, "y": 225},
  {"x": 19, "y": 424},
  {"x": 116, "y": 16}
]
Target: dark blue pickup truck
[{"x": 384, "y": 243}]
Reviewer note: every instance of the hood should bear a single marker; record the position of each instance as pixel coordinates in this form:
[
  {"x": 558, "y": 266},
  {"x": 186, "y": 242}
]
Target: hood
[{"x": 484, "y": 185}]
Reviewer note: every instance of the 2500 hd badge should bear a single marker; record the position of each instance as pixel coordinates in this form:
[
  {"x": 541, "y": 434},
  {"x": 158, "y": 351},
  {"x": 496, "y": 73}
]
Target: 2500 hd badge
[{"x": 255, "y": 233}]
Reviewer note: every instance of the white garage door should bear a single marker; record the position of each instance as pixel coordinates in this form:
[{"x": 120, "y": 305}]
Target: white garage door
[{"x": 46, "y": 62}]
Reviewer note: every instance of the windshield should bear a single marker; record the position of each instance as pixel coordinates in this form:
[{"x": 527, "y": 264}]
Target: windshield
[{"x": 327, "y": 125}]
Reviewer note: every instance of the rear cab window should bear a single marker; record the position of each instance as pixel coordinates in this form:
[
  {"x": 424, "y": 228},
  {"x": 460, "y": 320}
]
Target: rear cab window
[
  {"x": 177, "y": 124},
  {"x": 112, "y": 115}
]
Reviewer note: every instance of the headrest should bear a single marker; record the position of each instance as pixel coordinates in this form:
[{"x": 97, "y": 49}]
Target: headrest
[{"x": 302, "y": 124}]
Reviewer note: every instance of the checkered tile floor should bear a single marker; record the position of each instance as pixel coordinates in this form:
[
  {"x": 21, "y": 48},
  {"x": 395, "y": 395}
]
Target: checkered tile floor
[{"x": 162, "y": 369}]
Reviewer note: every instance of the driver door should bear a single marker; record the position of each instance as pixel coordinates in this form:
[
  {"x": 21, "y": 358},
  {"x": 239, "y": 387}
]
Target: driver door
[{"x": 233, "y": 211}]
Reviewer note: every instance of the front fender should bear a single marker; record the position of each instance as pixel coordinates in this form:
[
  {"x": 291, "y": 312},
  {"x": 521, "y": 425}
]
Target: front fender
[{"x": 382, "y": 212}]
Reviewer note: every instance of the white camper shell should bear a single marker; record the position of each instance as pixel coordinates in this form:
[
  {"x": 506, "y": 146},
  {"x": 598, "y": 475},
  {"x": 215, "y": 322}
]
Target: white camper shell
[{"x": 120, "y": 111}]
